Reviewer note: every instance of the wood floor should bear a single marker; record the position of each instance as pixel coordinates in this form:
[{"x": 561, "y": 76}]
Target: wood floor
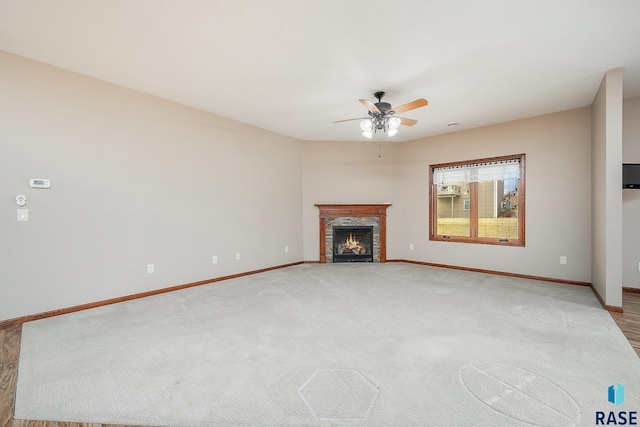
[{"x": 629, "y": 323}]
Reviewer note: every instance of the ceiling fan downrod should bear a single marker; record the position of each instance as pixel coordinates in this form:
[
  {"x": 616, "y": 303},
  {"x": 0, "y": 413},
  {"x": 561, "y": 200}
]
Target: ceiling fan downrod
[{"x": 383, "y": 107}]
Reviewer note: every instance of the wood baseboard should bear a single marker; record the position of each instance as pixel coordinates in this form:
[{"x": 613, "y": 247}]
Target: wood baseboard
[
  {"x": 499, "y": 273},
  {"x": 52, "y": 313},
  {"x": 613, "y": 309},
  {"x": 609, "y": 308}
]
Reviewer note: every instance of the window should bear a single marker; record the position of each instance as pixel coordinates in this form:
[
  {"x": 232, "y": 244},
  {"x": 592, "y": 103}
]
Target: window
[{"x": 478, "y": 201}]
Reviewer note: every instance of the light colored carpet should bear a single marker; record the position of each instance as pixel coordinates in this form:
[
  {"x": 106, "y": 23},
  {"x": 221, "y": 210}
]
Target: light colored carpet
[{"x": 334, "y": 345}]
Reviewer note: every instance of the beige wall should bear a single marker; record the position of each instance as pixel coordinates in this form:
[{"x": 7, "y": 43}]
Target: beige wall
[
  {"x": 135, "y": 180},
  {"x": 346, "y": 172},
  {"x": 631, "y": 198},
  {"x": 557, "y": 222},
  {"x": 606, "y": 195},
  {"x": 139, "y": 180}
]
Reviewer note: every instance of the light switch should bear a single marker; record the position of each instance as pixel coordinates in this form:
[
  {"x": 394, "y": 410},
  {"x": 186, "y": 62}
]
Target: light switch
[{"x": 23, "y": 214}]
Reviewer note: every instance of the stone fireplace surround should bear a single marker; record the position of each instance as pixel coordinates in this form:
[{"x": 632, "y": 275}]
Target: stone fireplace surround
[{"x": 374, "y": 215}]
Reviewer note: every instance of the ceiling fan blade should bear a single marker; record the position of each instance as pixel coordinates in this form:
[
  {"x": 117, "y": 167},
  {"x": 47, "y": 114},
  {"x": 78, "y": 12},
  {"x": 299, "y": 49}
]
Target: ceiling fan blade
[
  {"x": 407, "y": 122},
  {"x": 348, "y": 120},
  {"x": 370, "y": 106},
  {"x": 410, "y": 106}
]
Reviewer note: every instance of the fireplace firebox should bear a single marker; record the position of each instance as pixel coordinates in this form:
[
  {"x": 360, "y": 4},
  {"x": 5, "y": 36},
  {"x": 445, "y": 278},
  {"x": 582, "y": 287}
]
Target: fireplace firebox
[{"x": 352, "y": 244}]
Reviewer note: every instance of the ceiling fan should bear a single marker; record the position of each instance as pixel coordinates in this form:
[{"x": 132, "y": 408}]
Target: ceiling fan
[{"x": 382, "y": 116}]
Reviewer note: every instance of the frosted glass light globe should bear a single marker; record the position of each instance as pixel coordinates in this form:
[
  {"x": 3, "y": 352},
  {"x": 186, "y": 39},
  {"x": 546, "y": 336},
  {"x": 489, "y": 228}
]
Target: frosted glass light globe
[{"x": 366, "y": 125}]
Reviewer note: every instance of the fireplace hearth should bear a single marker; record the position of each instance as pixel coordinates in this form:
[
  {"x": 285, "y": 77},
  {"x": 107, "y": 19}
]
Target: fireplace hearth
[{"x": 352, "y": 244}]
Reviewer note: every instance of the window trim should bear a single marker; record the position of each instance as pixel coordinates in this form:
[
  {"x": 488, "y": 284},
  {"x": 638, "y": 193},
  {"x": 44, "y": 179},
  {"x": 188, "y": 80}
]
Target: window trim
[{"x": 433, "y": 205}]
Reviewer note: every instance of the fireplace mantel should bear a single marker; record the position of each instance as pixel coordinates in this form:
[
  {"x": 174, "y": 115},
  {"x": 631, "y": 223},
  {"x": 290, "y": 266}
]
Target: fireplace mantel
[{"x": 353, "y": 210}]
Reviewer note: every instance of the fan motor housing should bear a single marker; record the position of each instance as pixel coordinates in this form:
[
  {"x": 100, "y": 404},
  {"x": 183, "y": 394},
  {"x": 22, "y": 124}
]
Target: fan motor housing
[{"x": 384, "y": 107}]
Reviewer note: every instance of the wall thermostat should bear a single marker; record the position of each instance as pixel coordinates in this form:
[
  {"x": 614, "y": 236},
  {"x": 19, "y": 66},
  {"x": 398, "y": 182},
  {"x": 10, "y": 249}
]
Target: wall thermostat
[
  {"x": 39, "y": 183},
  {"x": 21, "y": 200}
]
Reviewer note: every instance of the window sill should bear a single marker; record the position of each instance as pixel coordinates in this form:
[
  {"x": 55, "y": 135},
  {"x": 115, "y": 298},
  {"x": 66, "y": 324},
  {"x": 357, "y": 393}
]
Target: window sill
[{"x": 477, "y": 240}]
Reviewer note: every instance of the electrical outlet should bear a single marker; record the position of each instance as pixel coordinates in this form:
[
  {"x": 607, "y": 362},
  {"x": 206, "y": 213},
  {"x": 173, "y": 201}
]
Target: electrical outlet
[
  {"x": 563, "y": 260},
  {"x": 237, "y": 256},
  {"x": 410, "y": 246},
  {"x": 286, "y": 248},
  {"x": 23, "y": 214},
  {"x": 214, "y": 259},
  {"x": 151, "y": 268}
]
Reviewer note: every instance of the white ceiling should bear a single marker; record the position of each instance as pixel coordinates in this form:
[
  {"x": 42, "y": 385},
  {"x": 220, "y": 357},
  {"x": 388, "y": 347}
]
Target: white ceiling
[{"x": 295, "y": 66}]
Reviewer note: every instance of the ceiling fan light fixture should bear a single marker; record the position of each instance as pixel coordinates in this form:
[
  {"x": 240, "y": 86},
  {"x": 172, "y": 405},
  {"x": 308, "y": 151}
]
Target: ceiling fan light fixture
[
  {"x": 382, "y": 116},
  {"x": 366, "y": 125},
  {"x": 394, "y": 123}
]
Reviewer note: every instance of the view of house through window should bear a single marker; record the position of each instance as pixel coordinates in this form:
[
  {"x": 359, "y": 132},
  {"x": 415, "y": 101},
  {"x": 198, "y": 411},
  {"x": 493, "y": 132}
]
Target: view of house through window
[
  {"x": 453, "y": 209},
  {"x": 478, "y": 201}
]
